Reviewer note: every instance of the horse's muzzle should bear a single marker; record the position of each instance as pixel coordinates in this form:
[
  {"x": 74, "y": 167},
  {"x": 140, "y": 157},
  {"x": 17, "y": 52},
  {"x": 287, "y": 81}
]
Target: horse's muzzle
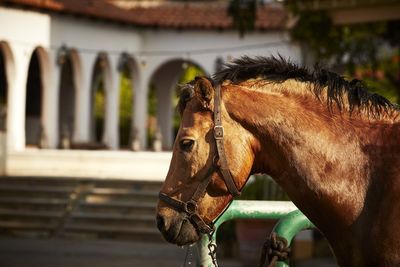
[
  {"x": 160, "y": 223},
  {"x": 176, "y": 229}
]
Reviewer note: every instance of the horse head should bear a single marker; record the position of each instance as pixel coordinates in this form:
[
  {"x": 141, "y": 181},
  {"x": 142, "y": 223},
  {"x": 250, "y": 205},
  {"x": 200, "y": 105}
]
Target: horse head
[{"x": 212, "y": 159}]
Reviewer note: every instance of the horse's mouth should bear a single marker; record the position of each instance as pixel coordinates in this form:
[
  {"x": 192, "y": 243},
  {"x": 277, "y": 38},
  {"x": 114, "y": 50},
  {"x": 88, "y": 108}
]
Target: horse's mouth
[{"x": 182, "y": 233}]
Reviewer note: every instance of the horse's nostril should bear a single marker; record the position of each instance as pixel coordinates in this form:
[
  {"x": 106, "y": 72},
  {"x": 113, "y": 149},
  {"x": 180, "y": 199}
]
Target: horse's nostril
[{"x": 160, "y": 222}]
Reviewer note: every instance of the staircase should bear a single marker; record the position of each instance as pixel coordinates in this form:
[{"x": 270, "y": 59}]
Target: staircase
[{"x": 39, "y": 207}]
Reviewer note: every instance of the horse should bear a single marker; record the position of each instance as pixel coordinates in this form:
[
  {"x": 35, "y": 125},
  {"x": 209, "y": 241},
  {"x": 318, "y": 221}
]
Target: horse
[{"x": 331, "y": 145}]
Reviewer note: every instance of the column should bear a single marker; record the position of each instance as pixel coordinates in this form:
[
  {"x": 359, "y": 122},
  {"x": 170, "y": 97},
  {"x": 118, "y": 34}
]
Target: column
[
  {"x": 51, "y": 101},
  {"x": 16, "y": 98},
  {"x": 140, "y": 106},
  {"x": 166, "y": 83},
  {"x": 112, "y": 104},
  {"x": 83, "y": 99}
]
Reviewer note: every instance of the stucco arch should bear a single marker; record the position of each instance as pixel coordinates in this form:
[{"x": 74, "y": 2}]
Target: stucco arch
[
  {"x": 9, "y": 75},
  {"x": 101, "y": 80},
  {"x": 39, "y": 74},
  {"x": 164, "y": 80},
  {"x": 70, "y": 85},
  {"x": 77, "y": 67},
  {"x": 128, "y": 71},
  {"x": 78, "y": 78},
  {"x": 132, "y": 64}
]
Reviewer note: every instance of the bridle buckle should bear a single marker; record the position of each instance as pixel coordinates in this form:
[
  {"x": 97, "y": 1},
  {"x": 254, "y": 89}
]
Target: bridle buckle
[
  {"x": 218, "y": 132},
  {"x": 190, "y": 207}
]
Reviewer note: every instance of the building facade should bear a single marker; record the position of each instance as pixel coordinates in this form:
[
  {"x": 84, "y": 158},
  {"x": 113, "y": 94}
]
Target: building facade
[{"x": 54, "y": 56}]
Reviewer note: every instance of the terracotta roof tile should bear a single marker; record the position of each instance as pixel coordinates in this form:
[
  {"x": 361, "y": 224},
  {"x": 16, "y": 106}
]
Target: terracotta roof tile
[{"x": 177, "y": 15}]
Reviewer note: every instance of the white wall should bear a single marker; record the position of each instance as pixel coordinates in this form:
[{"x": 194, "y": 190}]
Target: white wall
[
  {"x": 27, "y": 30},
  {"x": 23, "y": 31},
  {"x": 89, "y": 38},
  {"x": 24, "y": 27},
  {"x": 202, "y": 48}
]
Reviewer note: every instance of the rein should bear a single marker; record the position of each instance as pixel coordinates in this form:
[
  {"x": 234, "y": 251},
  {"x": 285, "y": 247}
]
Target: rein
[{"x": 190, "y": 207}]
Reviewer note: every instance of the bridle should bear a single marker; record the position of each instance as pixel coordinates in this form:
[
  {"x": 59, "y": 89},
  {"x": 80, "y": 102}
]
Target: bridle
[{"x": 219, "y": 164}]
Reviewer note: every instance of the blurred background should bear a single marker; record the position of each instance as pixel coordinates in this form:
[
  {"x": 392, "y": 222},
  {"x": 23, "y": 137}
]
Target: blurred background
[{"x": 88, "y": 90}]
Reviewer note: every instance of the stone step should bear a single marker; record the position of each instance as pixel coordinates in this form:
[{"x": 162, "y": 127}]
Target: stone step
[
  {"x": 12, "y": 187},
  {"x": 78, "y": 208},
  {"x": 92, "y": 165},
  {"x": 32, "y": 201},
  {"x": 125, "y": 207},
  {"x": 146, "y": 196},
  {"x": 66, "y": 184},
  {"x": 28, "y": 213},
  {"x": 111, "y": 216}
]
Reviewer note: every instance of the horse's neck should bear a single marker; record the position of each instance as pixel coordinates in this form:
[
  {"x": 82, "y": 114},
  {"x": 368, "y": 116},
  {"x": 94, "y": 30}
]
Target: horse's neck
[{"x": 318, "y": 164}]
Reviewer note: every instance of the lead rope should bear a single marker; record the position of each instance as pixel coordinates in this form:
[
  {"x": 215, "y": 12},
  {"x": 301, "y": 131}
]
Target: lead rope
[
  {"x": 212, "y": 249},
  {"x": 274, "y": 249}
]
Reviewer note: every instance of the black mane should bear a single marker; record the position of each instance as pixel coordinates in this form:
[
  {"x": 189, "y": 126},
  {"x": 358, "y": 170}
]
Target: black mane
[{"x": 277, "y": 69}]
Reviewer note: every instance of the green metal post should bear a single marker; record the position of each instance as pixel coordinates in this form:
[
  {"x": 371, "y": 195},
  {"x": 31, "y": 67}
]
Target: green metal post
[
  {"x": 243, "y": 209},
  {"x": 203, "y": 259},
  {"x": 291, "y": 222},
  {"x": 289, "y": 226}
]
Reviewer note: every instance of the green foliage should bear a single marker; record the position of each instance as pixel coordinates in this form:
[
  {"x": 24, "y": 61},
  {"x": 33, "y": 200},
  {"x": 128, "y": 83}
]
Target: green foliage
[
  {"x": 152, "y": 113},
  {"x": 349, "y": 46},
  {"x": 126, "y": 97},
  {"x": 152, "y": 104},
  {"x": 99, "y": 107},
  {"x": 355, "y": 47},
  {"x": 337, "y": 44},
  {"x": 382, "y": 87},
  {"x": 382, "y": 78},
  {"x": 316, "y": 28},
  {"x": 188, "y": 74},
  {"x": 99, "y": 103}
]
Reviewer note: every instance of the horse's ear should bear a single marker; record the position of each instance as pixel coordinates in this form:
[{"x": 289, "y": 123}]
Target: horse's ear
[{"x": 205, "y": 89}]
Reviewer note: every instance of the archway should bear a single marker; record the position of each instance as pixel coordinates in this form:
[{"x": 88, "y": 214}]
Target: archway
[
  {"x": 190, "y": 71},
  {"x": 67, "y": 95},
  {"x": 100, "y": 81},
  {"x": 3, "y": 90},
  {"x": 127, "y": 68},
  {"x": 7, "y": 74},
  {"x": 33, "y": 107},
  {"x": 163, "y": 122}
]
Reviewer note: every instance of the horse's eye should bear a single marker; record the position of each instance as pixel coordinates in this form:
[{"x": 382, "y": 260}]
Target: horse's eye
[{"x": 186, "y": 144}]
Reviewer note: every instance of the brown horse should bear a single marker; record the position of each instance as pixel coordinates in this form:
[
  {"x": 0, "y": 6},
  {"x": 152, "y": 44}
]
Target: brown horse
[{"x": 331, "y": 145}]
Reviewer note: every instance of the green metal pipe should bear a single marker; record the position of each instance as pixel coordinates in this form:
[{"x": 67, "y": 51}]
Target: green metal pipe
[
  {"x": 289, "y": 226},
  {"x": 243, "y": 209},
  {"x": 291, "y": 222}
]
